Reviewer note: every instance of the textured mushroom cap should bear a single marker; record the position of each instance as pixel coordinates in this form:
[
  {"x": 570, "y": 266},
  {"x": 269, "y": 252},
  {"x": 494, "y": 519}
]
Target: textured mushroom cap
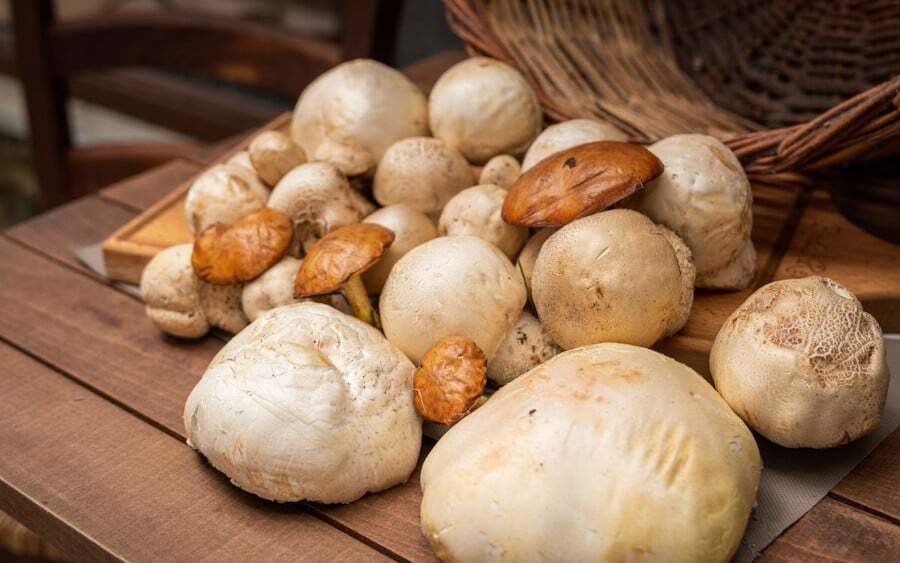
[
  {"x": 351, "y": 114},
  {"x": 421, "y": 172},
  {"x": 451, "y": 286},
  {"x": 307, "y": 403},
  {"x": 273, "y": 154},
  {"x": 703, "y": 195},
  {"x": 222, "y": 306},
  {"x": 411, "y": 228},
  {"x": 688, "y": 277},
  {"x": 274, "y": 288},
  {"x": 476, "y": 211},
  {"x": 223, "y": 194},
  {"x": 526, "y": 345},
  {"x": 502, "y": 171},
  {"x": 450, "y": 380},
  {"x": 170, "y": 291},
  {"x": 568, "y": 134},
  {"x": 605, "y": 453},
  {"x": 483, "y": 107},
  {"x": 528, "y": 256},
  {"x": 803, "y": 364},
  {"x": 340, "y": 255},
  {"x": 610, "y": 277}
]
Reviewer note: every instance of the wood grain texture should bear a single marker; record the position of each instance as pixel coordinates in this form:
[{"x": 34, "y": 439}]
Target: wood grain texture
[
  {"x": 875, "y": 483},
  {"x": 142, "y": 191}
]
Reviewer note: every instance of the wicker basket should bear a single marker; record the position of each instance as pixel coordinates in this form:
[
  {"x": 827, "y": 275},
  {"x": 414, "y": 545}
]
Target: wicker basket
[{"x": 751, "y": 72}]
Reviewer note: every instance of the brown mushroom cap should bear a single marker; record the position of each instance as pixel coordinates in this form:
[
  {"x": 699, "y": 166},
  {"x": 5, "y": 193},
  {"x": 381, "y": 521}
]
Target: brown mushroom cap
[
  {"x": 242, "y": 251},
  {"x": 340, "y": 255},
  {"x": 450, "y": 380},
  {"x": 578, "y": 182}
]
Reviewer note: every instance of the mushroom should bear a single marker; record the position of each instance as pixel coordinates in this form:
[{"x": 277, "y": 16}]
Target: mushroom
[
  {"x": 483, "y": 107},
  {"x": 476, "y": 211},
  {"x": 318, "y": 199},
  {"x": 451, "y": 286},
  {"x": 450, "y": 380},
  {"x": 803, "y": 364},
  {"x": 307, "y": 403},
  {"x": 704, "y": 195},
  {"x": 502, "y": 170},
  {"x": 421, "y": 172},
  {"x": 275, "y": 288},
  {"x": 526, "y": 345},
  {"x": 568, "y": 134},
  {"x": 223, "y": 194},
  {"x": 274, "y": 154},
  {"x": 411, "y": 228},
  {"x": 588, "y": 457},
  {"x": 688, "y": 276},
  {"x": 336, "y": 263},
  {"x": 350, "y": 115},
  {"x": 529, "y": 253},
  {"x": 242, "y": 158},
  {"x": 609, "y": 277}
]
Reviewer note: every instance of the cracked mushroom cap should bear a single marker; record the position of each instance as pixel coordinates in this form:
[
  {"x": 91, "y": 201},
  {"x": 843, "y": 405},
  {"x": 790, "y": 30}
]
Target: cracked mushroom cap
[
  {"x": 526, "y": 345},
  {"x": 223, "y": 194},
  {"x": 502, "y": 170},
  {"x": 568, "y": 134},
  {"x": 610, "y": 442},
  {"x": 411, "y": 228},
  {"x": 450, "y": 380},
  {"x": 803, "y": 364},
  {"x": 476, "y": 211},
  {"x": 307, "y": 403},
  {"x": 273, "y": 154},
  {"x": 610, "y": 277}
]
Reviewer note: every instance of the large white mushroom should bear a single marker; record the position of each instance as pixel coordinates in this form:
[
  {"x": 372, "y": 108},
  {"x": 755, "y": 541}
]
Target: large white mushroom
[
  {"x": 803, "y": 364},
  {"x": 411, "y": 228},
  {"x": 568, "y": 134},
  {"x": 307, "y": 403},
  {"x": 606, "y": 453},
  {"x": 526, "y": 345},
  {"x": 476, "y": 211},
  {"x": 223, "y": 194}
]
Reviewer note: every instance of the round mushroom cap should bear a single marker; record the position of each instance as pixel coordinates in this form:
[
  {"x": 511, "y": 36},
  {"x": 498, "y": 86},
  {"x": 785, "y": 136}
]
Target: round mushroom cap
[
  {"x": 451, "y": 286},
  {"x": 803, "y": 364},
  {"x": 737, "y": 274},
  {"x": 526, "y": 346},
  {"x": 351, "y": 114},
  {"x": 222, "y": 306},
  {"x": 450, "y": 380},
  {"x": 273, "y": 154},
  {"x": 502, "y": 171},
  {"x": 568, "y": 134},
  {"x": 476, "y": 211},
  {"x": 688, "y": 277},
  {"x": 170, "y": 291},
  {"x": 609, "y": 277},
  {"x": 421, "y": 172},
  {"x": 242, "y": 158},
  {"x": 275, "y": 288},
  {"x": 411, "y": 228},
  {"x": 605, "y": 453},
  {"x": 307, "y": 403},
  {"x": 223, "y": 194},
  {"x": 483, "y": 107},
  {"x": 529, "y": 253}
]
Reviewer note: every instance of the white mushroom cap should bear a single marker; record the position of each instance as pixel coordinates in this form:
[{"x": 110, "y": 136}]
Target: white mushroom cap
[
  {"x": 605, "y": 453},
  {"x": 803, "y": 364},
  {"x": 526, "y": 346},
  {"x": 275, "y": 288},
  {"x": 502, "y": 170},
  {"x": 242, "y": 158},
  {"x": 688, "y": 277},
  {"x": 609, "y": 277},
  {"x": 351, "y": 114},
  {"x": 223, "y": 194},
  {"x": 483, "y": 107},
  {"x": 222, "y": 306},
  {"x": 421, "y": 172},
  {"x": 703, "y": 195},
  {"x": 529, "y": 253},
  {"x": 476, "y": 211},
  {"x": 318, "y": 199},
  {"x": 568, "y": 134},
  {"x": 451, "y": 286},
  {"x": 737, "y": 274},
  {"x": 307, "y": 403},
  {"x": 273, "y": 154},
  {"x": 411, "y": 228}
]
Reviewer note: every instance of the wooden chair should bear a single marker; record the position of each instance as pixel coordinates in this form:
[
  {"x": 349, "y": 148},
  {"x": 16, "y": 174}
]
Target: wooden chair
[{"x": 50, "y": 52}]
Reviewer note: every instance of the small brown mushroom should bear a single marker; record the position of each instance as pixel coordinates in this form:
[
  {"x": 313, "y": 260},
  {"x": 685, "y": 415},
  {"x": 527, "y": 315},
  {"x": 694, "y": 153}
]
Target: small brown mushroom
[
  {"x": 336, "y": 262},
  {"x": 450, "y": 381},
  {"x": 242, "y": 251},
  {"x": 274, "y": 154}
]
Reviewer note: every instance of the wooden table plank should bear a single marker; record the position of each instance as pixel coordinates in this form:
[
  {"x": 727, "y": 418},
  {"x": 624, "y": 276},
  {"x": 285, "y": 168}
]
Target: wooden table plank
[
  {"x": 68, "y": 454},
  {"x": 875, "y": 483},
  {"x": 141, "y": 191}
]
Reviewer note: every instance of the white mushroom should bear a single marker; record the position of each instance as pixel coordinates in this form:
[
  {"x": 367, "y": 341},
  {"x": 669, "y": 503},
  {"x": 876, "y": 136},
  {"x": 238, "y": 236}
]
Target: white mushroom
[
  {"x": 688, "y": 277},
  {"x": 421, "y": 172},
  {"x": 803, "y": 364},
  {"x": 273, "y": 154},
  {"x": 242, "y": 158},
  {"x": 223, "y": 194},
  {"x": 609, "y": 277},
  {"x": 526, "y": 346},
  {"x": 350, "y": 115},
  {"x": 451, "y": 286},
  {"x": 411, "y": 228},
  {"x": 307, "y": 403},
  {"x": 529, "y": 253},
  {"x": 275, "y": 288},
  {"x": 476, "y": 211},
  {"x": 502, "y": 170},
  {"x": 605, "y": 453},
  {"x": 483, "y": 107},
  {"x": 568, "y": 134}
]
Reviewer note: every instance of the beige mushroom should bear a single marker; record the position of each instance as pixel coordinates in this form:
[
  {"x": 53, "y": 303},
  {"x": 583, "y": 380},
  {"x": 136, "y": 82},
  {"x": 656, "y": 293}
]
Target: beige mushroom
[
  {"x": 275, "y": 288},
  {"x": 483, "y": 107},
  {"x": 421, "y": 172},
  {"x": 273, "y": 154},
  {"x": 688, "y": 277},
  {"x": 568, "y": 134},
  {"x": 242, "y": 158},
  {"x": 502, "y": 171},
  {"x": 411, "y": 228},
  {"x": 451, "y": 286},
  {"x": 526, "y": 346},
  {"x": 223, "y": 194},
  {"x": 803, "y": 364},
  {"x": 476, "y": 211},
  {"x": 529, "y": 253}
]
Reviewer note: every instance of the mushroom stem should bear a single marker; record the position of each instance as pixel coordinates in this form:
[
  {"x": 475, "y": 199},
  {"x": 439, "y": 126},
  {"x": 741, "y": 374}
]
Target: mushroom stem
[{"x": 354, "y": 291}]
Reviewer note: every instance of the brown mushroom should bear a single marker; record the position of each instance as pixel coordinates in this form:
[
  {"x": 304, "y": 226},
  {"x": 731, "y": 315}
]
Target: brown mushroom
[
  {"x": 336, "y": 262},
  {"x": 578, "y": 182},
  {"x": 450, "y": 381},
  {"x": 242, "y": 251}
]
